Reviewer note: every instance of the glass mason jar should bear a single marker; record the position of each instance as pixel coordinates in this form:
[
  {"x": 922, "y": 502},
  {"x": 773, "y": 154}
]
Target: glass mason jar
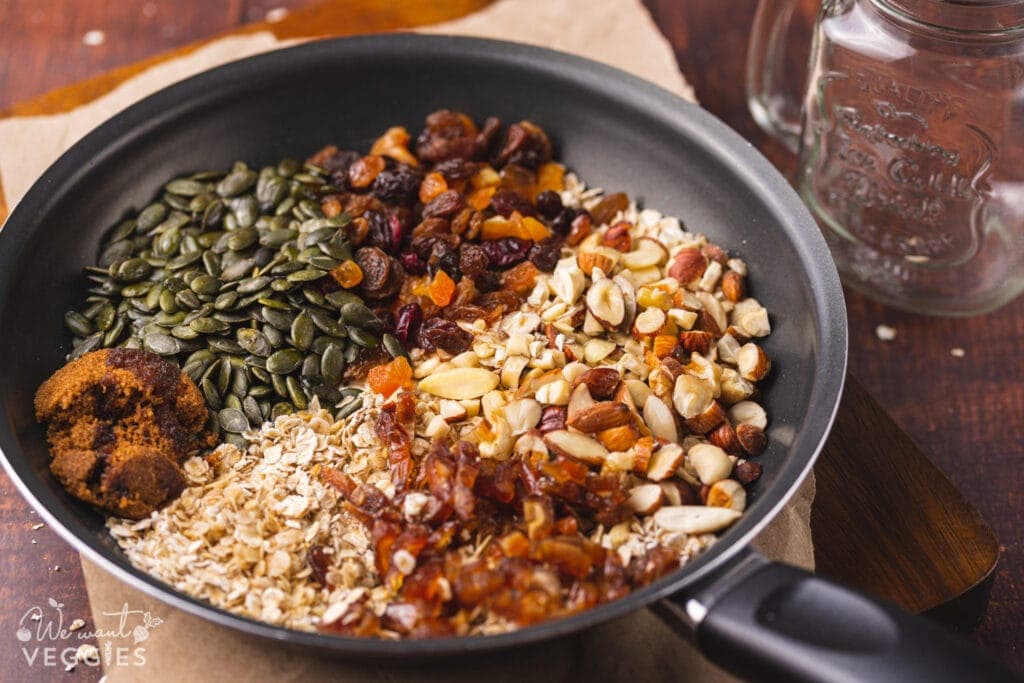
[{"x": 910, "y": 139}]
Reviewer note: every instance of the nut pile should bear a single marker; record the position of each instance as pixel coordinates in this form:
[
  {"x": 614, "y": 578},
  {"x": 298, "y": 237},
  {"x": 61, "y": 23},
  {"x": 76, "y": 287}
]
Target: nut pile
[{"x": 567, "y": 409}]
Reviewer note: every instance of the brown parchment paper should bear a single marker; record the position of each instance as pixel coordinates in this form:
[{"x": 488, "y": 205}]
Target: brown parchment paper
[{"x": 157, "y": 643}]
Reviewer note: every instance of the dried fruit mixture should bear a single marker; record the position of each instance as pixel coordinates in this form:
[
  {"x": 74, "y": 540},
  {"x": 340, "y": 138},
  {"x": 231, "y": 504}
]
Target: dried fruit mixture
[{"x": 562, "y": 408}]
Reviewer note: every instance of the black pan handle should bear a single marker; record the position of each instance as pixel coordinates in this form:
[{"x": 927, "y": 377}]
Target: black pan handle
[{"x": 766, "y": 621}]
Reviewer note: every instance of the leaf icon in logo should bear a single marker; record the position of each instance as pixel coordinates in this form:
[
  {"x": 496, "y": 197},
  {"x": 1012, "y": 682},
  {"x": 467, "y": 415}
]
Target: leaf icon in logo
[
  {"x": 53, "y": 603},
  {"x": 23, "y": 634},
  {"x": 140, "y": 633}
]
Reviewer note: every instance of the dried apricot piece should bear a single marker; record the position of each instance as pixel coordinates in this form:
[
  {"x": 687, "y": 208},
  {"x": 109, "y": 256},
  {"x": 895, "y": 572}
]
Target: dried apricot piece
[
  {"x": 485, "y": 176},
  {"x": 535, "y": 230},
  {"x": 395, "y": 144},
  {"x": 364, "y": 170},
  {"x": 550, "y": 176},
  {"x": 348, "y": 274},
  {"x": 433, "y": 184},
  {"x": 479, "y": 199},
  {"x": 386, "y": 379},
  {"x": 442, "y": 289}
]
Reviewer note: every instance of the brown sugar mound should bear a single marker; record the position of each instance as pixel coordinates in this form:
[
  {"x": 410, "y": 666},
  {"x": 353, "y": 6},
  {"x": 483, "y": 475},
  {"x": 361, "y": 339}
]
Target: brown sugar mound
[{"x": 119, "y": 423}]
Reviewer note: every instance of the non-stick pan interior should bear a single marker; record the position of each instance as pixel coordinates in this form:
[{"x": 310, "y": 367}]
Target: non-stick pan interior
[{"x": 615, "y": 131}]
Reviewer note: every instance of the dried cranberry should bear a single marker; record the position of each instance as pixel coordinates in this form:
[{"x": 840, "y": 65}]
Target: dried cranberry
[
  {"x": 562, "y": 223},
  {"x": 472, "y": 260},
  {"x": 506, "y": 252},
  {"x": 445, "y": 205},
  {"x": 412, "y": 263},
  {"x": 506, "y": 201},
  {"x": 545, "y": 254},
  {"x": 456, "y": 169},
  {"x": 397, "y": 186},
  {"x": 438, "y": 333},
  {"x": 407, "y": 327},
  {"x": 549, "y": 204}
]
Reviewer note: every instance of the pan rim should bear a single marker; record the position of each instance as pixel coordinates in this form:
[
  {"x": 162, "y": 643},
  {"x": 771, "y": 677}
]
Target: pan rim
[{"x": 720, "y": 140}]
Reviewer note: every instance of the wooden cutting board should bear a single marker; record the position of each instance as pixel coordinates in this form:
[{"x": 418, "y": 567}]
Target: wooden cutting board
[{"x": 885, "y": 519}]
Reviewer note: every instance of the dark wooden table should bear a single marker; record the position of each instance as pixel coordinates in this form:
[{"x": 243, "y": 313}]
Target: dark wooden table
[{"x": 966, "y": 412}]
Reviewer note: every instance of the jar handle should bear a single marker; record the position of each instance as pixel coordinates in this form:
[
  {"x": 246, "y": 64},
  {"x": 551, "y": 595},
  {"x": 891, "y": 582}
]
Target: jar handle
[{"x": 776, "y": 111}]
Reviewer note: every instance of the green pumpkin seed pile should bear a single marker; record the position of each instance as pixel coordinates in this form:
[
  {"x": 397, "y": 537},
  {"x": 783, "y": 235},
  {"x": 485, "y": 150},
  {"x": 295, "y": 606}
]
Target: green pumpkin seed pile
[{"x": 220, "y": 276}]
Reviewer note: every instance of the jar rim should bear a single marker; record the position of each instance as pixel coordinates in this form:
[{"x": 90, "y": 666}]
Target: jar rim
[{"x": 994, "y": 17}]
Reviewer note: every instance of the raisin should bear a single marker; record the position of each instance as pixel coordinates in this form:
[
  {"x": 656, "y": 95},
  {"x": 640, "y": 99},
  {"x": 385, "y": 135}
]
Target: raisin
[
  {"x": 545, "y": 254},
  {"x": 407, "y": 327},
  {"x": 382, "y": 274},
  {"x": 549, "y": 204},
  {"x": 487, "y": 281},
  {"x": 506, "y": 201},
  {"x": 472, "y": 260},
  {"x": 525, "y": 144},
  {"x": 412, "y": 263},
  {"x": 336, "y": 162},
  {"x": 456, "y": 169},
  {"x": 387, "y": 320},
  {"x": 448, "y": 135},
  {"x": 438, "y": 333},
  {"x": 562, "y": 223},
  {"x": 506, "y": 252},
  {"x": 445, "y": 205},
  {"x": 380, "y": 234},
  {"x": 397, "y": 186}
]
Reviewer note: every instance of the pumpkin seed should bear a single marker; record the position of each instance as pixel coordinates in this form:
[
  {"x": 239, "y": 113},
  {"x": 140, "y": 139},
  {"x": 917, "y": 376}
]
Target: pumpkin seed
[
  {"x": 358, "y": 314},
  {"x": 296, "y": 394},
  {"x": 284, "y": 361},
  {"x": 393, "y": 346},
  {"x": 302, "y": 330},
  {"x": 236, "y": 182},
  {"x": 232, "y": 420},
  {"x": 332, "y": 363},
  {"x": 251, "y": 409},
  {"x": 211, "y": 394},
  {"x": 363, "y": 338},
  {"x": 161, "y": 344},
  {"x": 254, "y": 341},
  {"x": 78, "y": 324}
]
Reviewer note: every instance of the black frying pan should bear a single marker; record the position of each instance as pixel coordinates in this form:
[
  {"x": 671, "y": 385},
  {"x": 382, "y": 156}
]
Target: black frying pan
[{"x": 756, "y": 618}]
